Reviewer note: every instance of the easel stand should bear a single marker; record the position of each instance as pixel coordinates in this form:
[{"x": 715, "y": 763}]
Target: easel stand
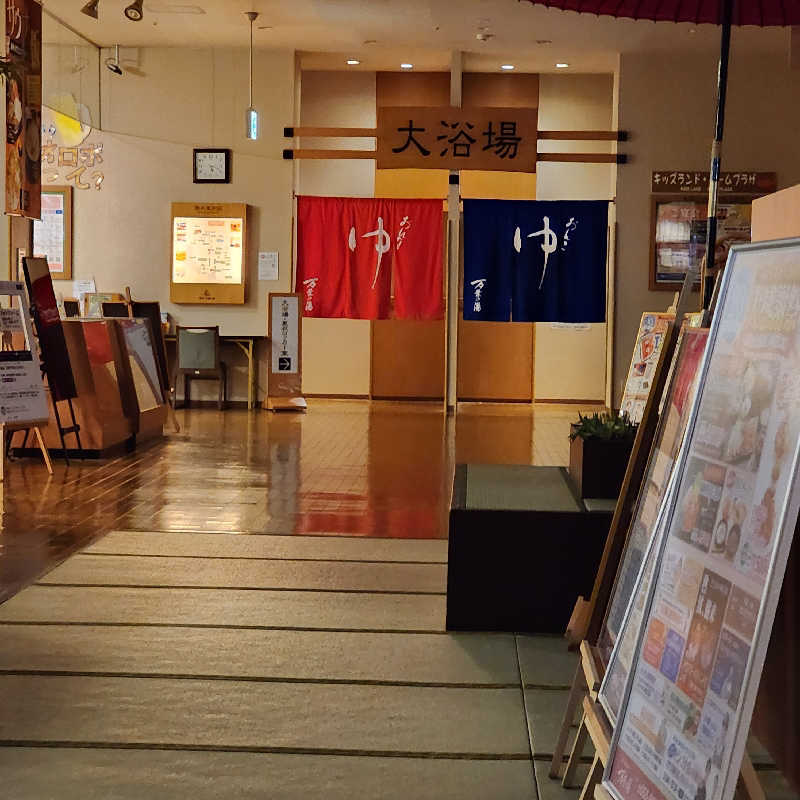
[
  {"x": 594, "y": 725},
  {"x": 12, "y": 429}
]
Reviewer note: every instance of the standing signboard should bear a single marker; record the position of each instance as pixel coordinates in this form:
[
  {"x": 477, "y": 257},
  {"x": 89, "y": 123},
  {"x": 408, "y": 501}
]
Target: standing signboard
[
  {"x": 285, "y": 364},
  {"x": 727, "y": 528},
  {"x": 22, "y": 393}
]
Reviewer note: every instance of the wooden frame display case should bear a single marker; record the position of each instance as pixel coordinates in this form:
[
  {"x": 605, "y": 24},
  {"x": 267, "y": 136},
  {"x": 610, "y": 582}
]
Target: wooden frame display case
[{"x": 208, "y": 258}]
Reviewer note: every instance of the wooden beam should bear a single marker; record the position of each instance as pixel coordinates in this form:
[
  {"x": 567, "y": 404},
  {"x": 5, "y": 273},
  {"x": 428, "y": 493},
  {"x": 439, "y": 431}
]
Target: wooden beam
[
  {"x": 371, "y": 133},
  {"x": 583, "y": 158}
]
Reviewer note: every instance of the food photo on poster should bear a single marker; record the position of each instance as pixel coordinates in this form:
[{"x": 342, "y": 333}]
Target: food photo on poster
[{"x": 726, "y": 527}]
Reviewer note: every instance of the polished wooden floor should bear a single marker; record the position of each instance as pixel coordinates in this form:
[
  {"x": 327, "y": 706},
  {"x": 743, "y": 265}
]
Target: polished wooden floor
[{"x": 345, "y": 468}]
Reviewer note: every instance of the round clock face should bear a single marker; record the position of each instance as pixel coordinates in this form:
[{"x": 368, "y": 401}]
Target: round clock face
[{"x": 210, "y": 166}]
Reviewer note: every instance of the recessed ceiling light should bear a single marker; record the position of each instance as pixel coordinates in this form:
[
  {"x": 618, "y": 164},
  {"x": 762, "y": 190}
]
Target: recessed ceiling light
[
  {"x": 562, "y": 65},
  {"x": 507, "y": 67},
  {"x": 406, "y": 66},
  {"x": 692, "y": 31},
  {"x": 353, "y": 62}
]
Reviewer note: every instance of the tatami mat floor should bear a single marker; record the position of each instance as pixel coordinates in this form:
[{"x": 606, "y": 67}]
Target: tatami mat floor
[{"x": 269, "y": 667}]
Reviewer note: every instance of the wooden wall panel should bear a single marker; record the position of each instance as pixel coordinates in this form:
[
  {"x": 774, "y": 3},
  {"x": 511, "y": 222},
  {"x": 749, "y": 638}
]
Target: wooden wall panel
[
  {"x": 408, "y": 359},
  {"x": 412, "y": 89},
  {"x": 495, "y": 361}
]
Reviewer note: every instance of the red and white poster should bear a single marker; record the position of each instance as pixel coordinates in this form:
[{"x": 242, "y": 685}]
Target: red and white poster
[{"x": 354, "y": 254}]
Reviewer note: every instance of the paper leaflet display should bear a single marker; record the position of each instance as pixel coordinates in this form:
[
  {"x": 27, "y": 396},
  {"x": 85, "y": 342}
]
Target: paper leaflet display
[
  {"x": 22, "y": 394},
  {"x": 355, "y": 254},
  {"x": 678, "y": 402},
  {"x": 535, "y": 260},
  {"x": 720, "y": 559}
]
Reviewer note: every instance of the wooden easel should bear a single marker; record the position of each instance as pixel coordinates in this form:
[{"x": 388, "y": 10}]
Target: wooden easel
[{"x": 12, "y": 429}]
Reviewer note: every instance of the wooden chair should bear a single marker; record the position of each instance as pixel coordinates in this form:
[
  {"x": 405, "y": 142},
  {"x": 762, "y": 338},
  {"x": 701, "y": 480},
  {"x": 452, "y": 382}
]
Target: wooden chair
[{"x": 198, "y": 359}]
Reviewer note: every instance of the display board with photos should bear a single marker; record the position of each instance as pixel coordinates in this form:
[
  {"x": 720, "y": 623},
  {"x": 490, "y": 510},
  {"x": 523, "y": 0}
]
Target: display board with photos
[
  {"x": 727, "y": 528},
  {"x": 622, "y": 620}
]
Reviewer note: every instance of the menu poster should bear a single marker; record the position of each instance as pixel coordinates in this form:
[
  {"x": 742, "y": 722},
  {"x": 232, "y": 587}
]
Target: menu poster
[
  {"x": 52, "y": 234},
  {"x": 22, "y": 392},
  {"x": 669, "y": 436},
  {"x": 646, "y": 352},
  {"x": 726, "y": 532},
  {"x": 207, "y": 250},
  {"x": 23, "y": 108}
]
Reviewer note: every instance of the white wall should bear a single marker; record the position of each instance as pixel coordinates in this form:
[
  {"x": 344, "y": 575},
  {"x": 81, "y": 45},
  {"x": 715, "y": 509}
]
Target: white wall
[
  {"x": 667, "y": 103},
  {"x": 188, "y": 98}
]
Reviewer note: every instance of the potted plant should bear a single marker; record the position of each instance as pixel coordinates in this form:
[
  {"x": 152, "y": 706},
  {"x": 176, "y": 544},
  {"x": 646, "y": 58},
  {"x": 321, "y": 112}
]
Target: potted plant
[{"x": 600, "y": 446}]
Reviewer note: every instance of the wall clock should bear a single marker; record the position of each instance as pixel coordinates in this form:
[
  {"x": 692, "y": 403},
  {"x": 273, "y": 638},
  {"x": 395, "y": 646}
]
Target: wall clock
[{"x": 212, "y": 165}]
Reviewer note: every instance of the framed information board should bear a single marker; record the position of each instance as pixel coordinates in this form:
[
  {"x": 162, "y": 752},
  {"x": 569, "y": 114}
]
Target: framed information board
[
  {"x": 52, "y": 234},
  {"x": 208, "y": 263},
  {"x": 285, "y": 365}
]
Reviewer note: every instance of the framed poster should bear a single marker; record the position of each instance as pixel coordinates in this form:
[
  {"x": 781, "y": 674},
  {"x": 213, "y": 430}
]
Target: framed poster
[
  {"x": 649, "y": 341},
  {"x": 52, "y": 234},
  {"x": 726, "y": 530},
  {"x": 678, "y": 235},
  {"x": 209, "y": 253},
  {"x": 623, "y": 615}
]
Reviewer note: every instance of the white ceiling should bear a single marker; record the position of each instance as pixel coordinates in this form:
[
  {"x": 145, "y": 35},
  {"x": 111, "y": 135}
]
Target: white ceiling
[{"x": 383, "y": 33}]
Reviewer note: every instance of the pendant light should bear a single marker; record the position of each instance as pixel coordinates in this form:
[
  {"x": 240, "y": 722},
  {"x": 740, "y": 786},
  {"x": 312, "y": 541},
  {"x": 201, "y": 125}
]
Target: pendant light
[{"x": 251, "y": 116}]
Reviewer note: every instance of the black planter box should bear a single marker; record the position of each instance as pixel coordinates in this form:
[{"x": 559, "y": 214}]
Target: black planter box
[{"x": 597, "y": 466}]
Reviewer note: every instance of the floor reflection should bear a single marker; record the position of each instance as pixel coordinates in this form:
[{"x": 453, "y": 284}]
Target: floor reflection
[{"x": 344, "y": 468}]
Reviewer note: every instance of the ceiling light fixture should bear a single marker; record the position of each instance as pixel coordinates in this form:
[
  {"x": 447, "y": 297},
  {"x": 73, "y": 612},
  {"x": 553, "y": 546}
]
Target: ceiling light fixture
[
  {"x": 251, "y": 115},
  {"x": 353, "y": 62},
  {"x": 406, "y": 66},
  {"x": 90, "y": 9},
  {"x": 507, "y": 67},
  {"x": 113, "y": 64},
  {"x": 134, "y": 11},
  {"x": 562, "y": 65}
]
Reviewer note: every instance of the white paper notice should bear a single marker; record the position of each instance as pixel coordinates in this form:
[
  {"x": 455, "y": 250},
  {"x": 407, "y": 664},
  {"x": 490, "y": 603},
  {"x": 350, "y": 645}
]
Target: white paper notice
[
  {"x": 268, "y": 266},
  {"x": 85, "y": 286}
]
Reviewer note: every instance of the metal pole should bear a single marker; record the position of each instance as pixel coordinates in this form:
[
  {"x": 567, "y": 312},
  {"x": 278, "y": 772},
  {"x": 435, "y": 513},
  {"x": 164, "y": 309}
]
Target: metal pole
[{"x": 716, "y": 151}]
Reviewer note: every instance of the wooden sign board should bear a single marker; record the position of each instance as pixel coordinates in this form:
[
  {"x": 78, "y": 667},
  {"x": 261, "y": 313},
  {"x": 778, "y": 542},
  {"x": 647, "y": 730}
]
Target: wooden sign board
[
  {"x": 209, "y": 253},
  {"x": 666, "y": 181},
  {"x": 286, "y": 340},
  {"x": 498, "y": 139}
]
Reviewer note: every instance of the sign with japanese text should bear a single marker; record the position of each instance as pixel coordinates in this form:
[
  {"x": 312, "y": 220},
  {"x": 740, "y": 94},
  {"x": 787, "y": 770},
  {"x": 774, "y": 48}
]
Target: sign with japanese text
[
  {"x": 285, "y": 335},
  {"x": 458, "y": 138},
  {"x": 680, "y": 181},
  {"x": 72, "y": 152},
  {"x": 23, "y": 108},
  {"x": 22, "y": 393},
  {"x": 724, "y": 533},
  {"x": 354, "y": 254},
  {"x": 535, "y": 260}
]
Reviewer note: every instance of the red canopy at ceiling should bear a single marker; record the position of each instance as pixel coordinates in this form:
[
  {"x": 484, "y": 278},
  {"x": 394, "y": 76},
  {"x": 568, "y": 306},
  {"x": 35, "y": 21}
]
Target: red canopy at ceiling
[{"x": 745, "y": 12}]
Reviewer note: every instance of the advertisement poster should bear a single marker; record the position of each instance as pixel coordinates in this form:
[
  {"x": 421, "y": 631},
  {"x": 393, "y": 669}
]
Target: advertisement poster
[
  {"x": 726, "y": 526},
  {"x": 207, "y": 250},
  {"x": 672, "y": 426},
  {"x": 646, "y": 352},
  {"x": 22, "y": 391},
  {"x": 50, "y": 239},
  {"x": 23, "y": 108}
]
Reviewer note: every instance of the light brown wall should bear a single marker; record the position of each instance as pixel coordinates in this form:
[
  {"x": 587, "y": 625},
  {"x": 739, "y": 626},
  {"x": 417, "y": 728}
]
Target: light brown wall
[{"x": 667, "y": 103}]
